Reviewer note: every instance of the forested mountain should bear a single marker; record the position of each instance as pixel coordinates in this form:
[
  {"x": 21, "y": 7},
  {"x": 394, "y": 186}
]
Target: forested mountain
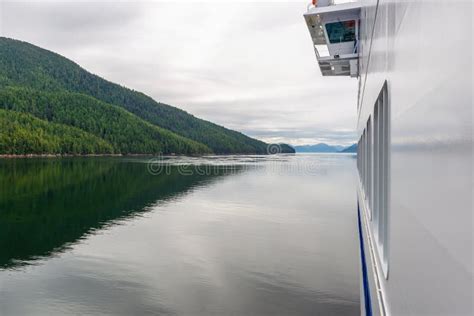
[
  {"x": 285, "y": 148},
  {"x": 22, "y": 134},
  {"x": 123, "y": 130},
  {"x": 61, "y": 84}
]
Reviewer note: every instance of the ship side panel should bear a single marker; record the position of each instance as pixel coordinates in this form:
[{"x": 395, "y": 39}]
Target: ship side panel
[
  {"x": 368, "y": 16},
  {"x": 368, "y": 296},
  {"x": 372, "y": 52},
  {"x": 423, "y": 50}
]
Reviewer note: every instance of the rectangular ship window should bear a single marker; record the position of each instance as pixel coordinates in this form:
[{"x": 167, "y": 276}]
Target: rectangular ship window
[
  {"x": 381, "y": 175},
  {"x": 369, "y": 165},
  {"x": 340, "y": 32},
  {"x": 363, "y": 162},
  {"x": 373, "y": 163}
]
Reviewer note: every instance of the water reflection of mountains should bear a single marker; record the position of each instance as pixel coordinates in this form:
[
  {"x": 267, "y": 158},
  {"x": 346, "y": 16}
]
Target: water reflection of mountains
[{"x": 47, "y": 204}]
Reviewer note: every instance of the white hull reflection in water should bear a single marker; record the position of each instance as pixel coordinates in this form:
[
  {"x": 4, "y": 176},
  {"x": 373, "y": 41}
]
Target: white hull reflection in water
[{"x": 273, "y": 238}]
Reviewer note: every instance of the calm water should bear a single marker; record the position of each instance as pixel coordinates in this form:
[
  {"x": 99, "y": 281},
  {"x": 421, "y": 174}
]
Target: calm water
[{"x": 203, "y": 236}]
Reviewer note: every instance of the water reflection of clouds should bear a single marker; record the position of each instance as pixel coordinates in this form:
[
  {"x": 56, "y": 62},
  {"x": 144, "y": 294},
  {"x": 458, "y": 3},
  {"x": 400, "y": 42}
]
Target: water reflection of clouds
[
  {"x": 284, "y": 164},
  {"x": 266, "y": 241}
]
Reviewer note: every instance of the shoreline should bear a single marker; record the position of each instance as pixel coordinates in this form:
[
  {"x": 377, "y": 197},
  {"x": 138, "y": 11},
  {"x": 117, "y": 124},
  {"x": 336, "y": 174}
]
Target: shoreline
[
  {"x": 26, "y": 156},
  {"x": 31, "y": 156}
]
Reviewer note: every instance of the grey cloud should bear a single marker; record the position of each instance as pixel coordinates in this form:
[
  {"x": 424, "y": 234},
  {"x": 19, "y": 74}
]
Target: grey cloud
[
  {"x": 67, "y": 24},
  {"x": 69, "y": 16},
  {"x": 247, "y": 66}
]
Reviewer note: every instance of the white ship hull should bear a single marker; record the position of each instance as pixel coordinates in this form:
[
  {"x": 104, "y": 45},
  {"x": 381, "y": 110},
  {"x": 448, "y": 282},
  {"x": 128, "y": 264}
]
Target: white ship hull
[{"x": 417, "y": 248}]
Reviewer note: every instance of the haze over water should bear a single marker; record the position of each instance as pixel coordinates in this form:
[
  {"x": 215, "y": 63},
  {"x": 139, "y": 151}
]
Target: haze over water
[{"x": 238, "y": 235}]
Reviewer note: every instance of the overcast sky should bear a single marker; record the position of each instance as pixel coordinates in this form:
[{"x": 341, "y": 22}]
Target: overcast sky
[{"x": 243, "y": 64}]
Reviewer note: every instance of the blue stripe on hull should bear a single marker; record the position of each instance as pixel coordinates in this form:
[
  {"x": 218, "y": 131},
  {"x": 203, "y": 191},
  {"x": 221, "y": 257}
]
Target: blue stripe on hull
[{"x": 365, "y": 280}]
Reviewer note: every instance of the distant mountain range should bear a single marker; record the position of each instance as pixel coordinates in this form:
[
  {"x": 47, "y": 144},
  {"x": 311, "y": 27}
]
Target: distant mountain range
[
  {"x": 325, "y": 148},
  {"x": 50, "y": 105},
  {"x": 351, "y": 149}
]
